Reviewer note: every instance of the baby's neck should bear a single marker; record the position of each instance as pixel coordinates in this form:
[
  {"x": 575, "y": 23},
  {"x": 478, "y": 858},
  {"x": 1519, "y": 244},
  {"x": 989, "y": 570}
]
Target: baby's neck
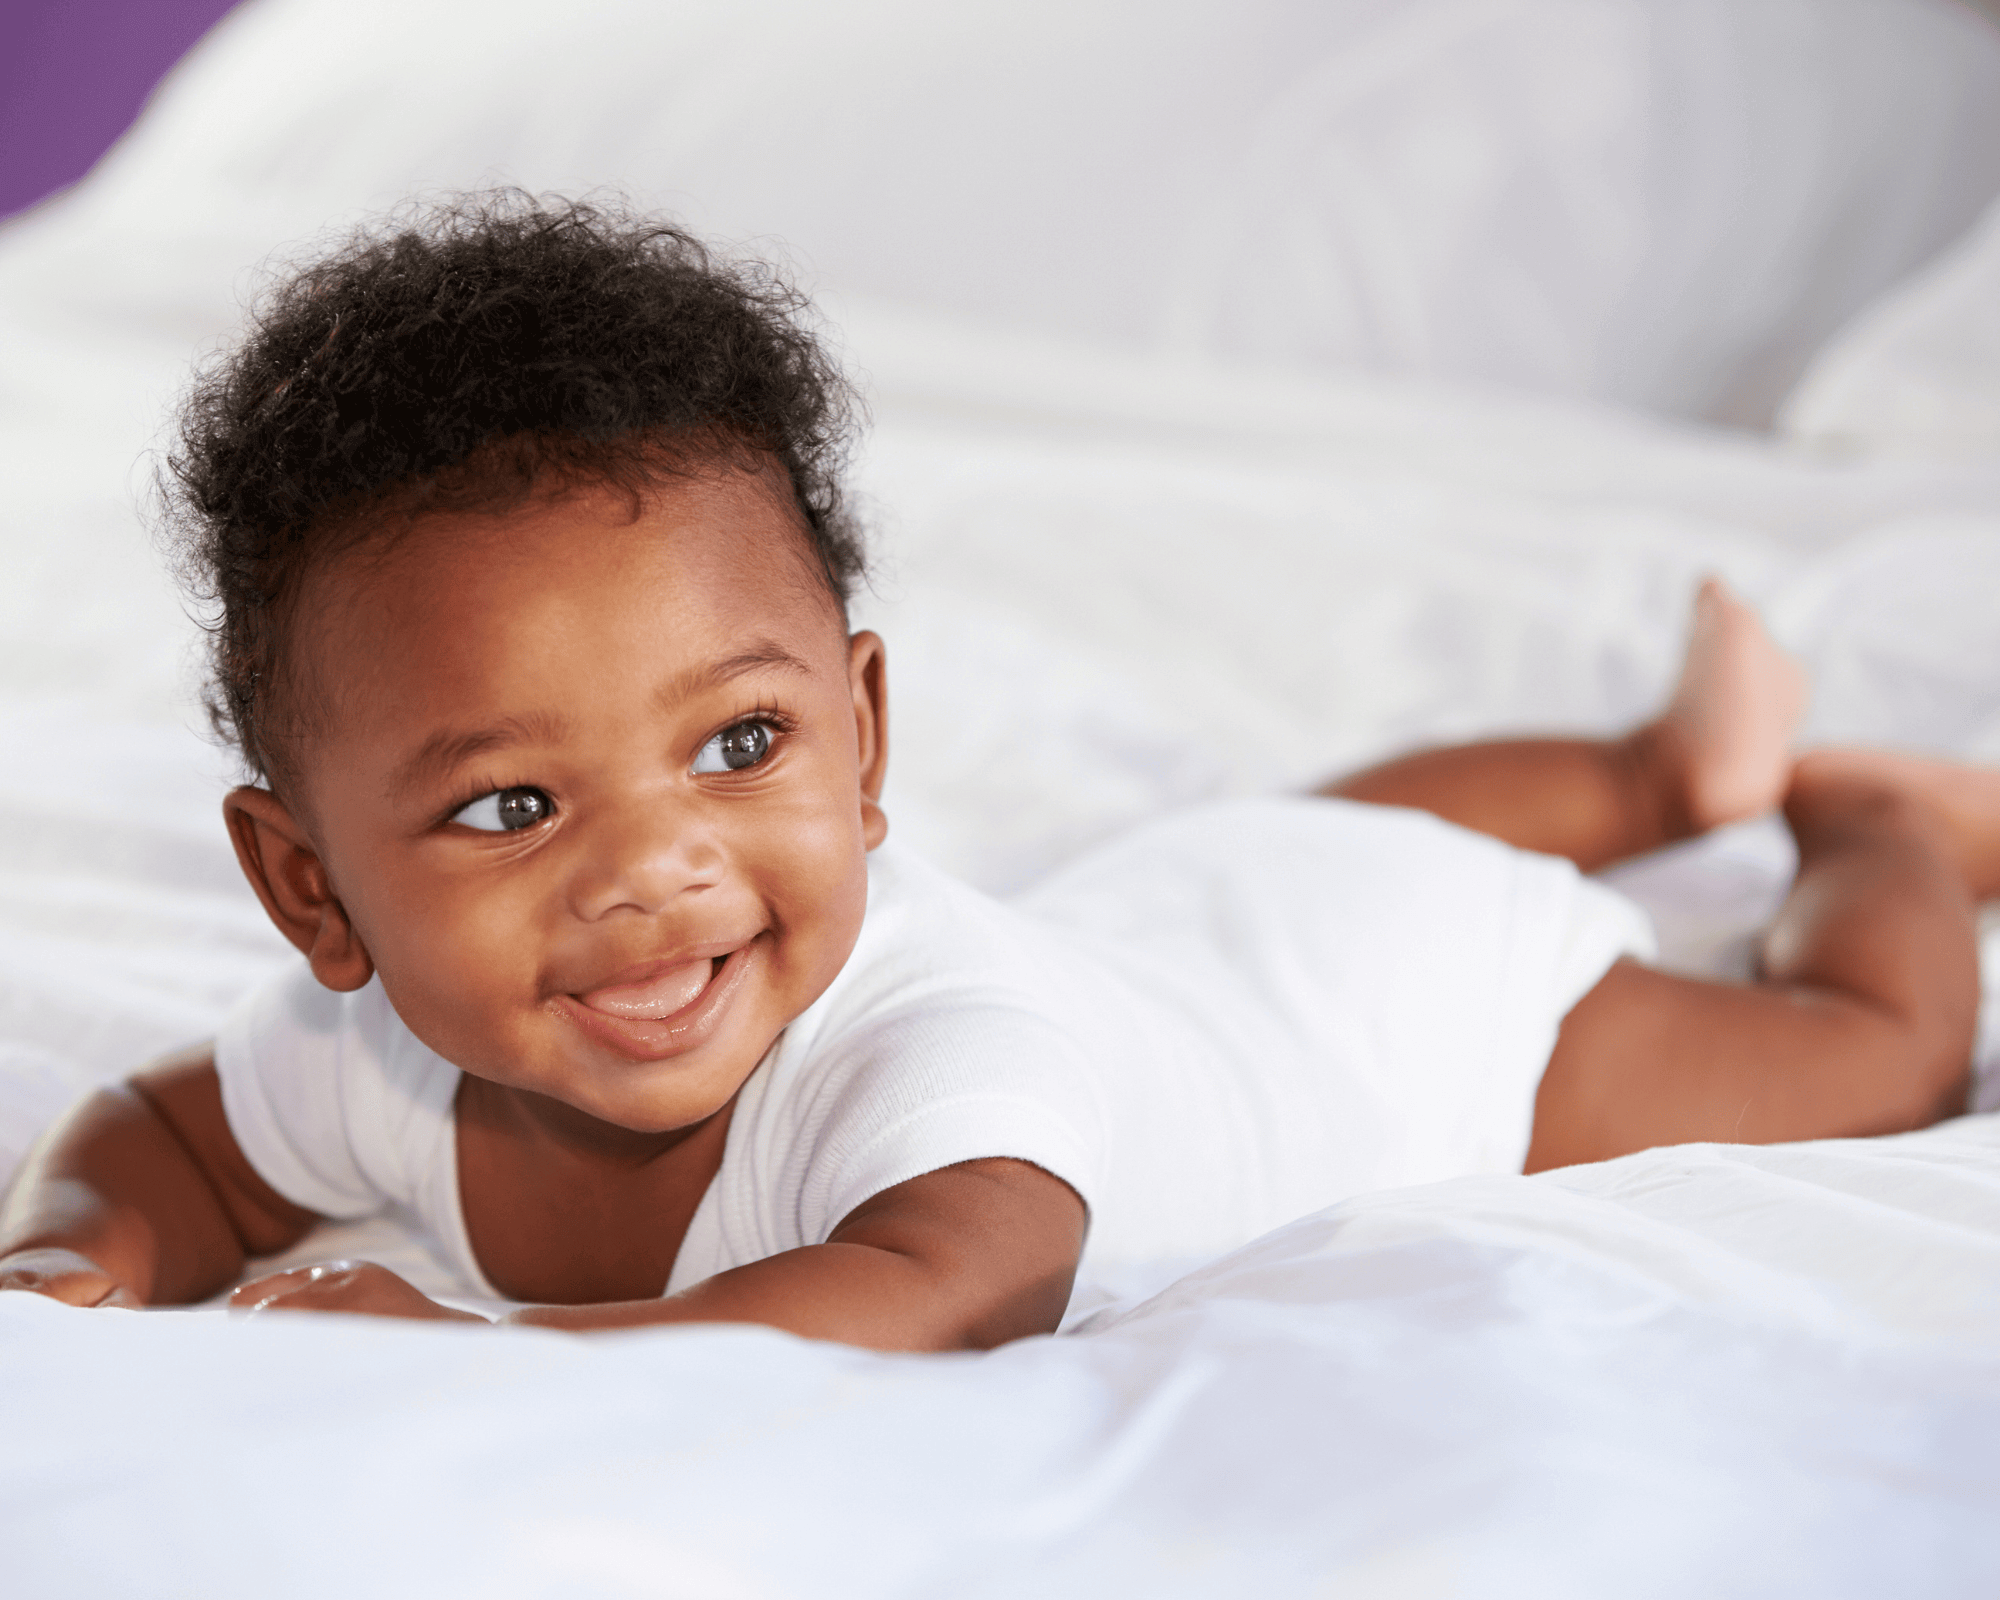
[{"x": 563, "y": 1208}]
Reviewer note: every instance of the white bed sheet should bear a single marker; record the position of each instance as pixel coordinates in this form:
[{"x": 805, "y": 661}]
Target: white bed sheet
[
  {"x": 1110, "y": 584},
  {"x": 1699, "y": 1371},
  {"x": 1918, "y": 373}
]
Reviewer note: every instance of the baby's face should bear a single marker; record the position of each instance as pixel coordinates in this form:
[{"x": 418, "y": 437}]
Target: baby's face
[{"x": 597, "y": 794}]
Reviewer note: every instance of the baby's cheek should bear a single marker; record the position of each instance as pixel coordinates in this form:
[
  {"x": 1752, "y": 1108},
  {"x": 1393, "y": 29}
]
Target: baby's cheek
[
  {"x": 821, "y": 896},
  {"x": 466, "y": 980}
]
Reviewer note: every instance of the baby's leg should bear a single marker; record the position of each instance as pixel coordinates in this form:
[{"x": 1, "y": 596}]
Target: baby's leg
[
  {"x": 1720, "y": 751},
  {"x": 1863, "y": 1019}
]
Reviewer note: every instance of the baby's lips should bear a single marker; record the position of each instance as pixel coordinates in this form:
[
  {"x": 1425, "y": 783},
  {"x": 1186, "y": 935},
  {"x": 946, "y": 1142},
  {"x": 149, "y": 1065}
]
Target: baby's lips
[{"x": 656, "y": 997}]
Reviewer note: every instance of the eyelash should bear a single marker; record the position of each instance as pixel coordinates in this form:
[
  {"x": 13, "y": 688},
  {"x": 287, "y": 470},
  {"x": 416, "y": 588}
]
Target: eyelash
[{"x": 779, "y": 722}]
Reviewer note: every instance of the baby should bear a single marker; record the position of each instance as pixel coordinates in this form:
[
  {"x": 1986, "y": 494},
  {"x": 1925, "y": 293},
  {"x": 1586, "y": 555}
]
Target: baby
[{"x": 524, "y": 532}]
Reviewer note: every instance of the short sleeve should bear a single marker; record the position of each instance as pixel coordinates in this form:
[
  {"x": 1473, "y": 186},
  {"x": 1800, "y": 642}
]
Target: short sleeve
[
  {"x": 935, "y": 1046},
  {"x": 925, "y": 1091},
  {"x": 337, "y": 1106}
]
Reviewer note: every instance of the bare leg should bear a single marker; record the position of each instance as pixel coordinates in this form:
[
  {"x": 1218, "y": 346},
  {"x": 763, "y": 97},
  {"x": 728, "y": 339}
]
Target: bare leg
[
  {"x": 1717, "y": 753},
  {"x": 1863, "y": 1021}
]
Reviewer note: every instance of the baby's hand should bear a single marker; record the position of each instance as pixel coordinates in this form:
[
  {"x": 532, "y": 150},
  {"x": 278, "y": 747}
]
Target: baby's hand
[
  {"x": 65, "y": 1275},
  {"x": 357, "y": 1287}
]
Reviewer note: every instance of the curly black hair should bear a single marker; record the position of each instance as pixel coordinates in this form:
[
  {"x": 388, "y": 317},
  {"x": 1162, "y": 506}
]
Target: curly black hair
[{"x": 469, "y": 355}]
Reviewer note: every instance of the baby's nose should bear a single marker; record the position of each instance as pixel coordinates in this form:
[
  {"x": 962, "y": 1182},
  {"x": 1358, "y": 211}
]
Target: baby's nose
[{"x": 642, "y": 857}]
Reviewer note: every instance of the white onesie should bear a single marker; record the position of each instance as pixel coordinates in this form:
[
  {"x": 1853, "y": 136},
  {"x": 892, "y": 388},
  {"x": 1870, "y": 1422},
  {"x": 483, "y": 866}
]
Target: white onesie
[{"x": 1226, "y": 1019}]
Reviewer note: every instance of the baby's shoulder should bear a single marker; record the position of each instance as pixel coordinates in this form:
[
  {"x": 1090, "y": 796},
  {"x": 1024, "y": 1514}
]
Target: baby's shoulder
[
  {"x": 928, "y": 934},
  {"x": 942, "y": 1040},
  {"x": 932, "y": 947}
]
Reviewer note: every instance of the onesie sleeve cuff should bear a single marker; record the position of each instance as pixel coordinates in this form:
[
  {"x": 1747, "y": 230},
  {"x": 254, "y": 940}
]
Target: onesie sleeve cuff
[
  {"x": 277, "y": 1055},
  {"x": 944, "y": 1133}
]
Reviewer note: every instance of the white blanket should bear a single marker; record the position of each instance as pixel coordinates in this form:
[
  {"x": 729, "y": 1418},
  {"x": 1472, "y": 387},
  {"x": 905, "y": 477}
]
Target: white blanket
[
  {"x": 1691, "y": 1372},
  {"x": 1111, "y": 582}
]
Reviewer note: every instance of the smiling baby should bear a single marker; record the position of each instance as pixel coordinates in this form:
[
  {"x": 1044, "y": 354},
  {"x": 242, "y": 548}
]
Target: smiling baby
[{"x": 522, "y": 531}]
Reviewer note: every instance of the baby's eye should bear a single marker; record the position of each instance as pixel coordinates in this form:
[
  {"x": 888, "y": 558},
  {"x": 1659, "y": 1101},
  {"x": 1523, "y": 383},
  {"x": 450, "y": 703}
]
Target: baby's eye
[
  {"x": 506, "y": 811},
  {"x": 733, "y": 749}
]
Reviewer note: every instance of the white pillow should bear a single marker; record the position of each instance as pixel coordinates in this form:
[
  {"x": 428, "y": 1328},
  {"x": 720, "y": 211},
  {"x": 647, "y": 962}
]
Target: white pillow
[
  {"x": 1665, "y": 202},
  {"x": 1918, "y": 373}
]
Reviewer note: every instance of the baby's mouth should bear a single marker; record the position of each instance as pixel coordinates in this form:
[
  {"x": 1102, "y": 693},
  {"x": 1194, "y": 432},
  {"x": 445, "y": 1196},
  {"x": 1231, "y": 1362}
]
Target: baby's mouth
[{"x": 656, "y": 998}]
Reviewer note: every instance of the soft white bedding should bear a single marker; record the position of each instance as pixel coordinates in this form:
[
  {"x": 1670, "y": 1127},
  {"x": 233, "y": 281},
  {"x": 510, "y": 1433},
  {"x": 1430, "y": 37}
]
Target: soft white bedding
[
  {"x": 1914, "y": 374},
  {"x": 1692, "y": 1372},
  {"x": 1113, "y": 579}
]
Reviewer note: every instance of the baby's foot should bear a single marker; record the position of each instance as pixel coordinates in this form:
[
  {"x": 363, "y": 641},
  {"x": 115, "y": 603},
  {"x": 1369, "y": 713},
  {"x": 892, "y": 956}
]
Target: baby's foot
[
  {"x": 1729, "y": 723},
  {"x": 1966, "y": 799}
]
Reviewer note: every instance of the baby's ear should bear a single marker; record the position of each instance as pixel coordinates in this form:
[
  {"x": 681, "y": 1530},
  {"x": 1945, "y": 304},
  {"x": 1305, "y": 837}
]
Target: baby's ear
[
  {"x": 868, "y": 678},
  {"x": 278, "y": 858}
]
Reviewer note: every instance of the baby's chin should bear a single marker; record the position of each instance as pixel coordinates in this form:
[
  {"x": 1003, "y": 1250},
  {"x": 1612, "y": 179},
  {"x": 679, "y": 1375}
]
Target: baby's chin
[{"x": 642, "y": 1098}]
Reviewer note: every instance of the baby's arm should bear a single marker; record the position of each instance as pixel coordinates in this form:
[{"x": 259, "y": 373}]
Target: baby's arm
[
  {"x": 141, "y": 1196},
  {"x": 967, "y": 1257},
  {"x": 964, "y": 1258}
]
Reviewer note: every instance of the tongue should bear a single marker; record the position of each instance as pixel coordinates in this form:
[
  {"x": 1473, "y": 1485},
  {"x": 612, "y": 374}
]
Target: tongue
[{"x": 659, "y": 996}]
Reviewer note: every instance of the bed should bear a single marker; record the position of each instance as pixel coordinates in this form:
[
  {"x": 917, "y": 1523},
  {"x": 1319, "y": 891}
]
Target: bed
[{"x": 1256, "y": 391}]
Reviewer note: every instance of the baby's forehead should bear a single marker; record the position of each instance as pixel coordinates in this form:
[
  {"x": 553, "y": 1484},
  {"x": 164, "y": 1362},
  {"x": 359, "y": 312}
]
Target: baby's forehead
[{"x": 720, "y": 561}]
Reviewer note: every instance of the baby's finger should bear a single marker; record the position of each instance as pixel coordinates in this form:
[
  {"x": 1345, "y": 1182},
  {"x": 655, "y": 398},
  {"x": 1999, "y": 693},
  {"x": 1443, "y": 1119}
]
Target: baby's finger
[
  {"x": 62, "y": 1275},
  {"x": 352, "y": 1286},
  {"x": 293, "y": 1284}
]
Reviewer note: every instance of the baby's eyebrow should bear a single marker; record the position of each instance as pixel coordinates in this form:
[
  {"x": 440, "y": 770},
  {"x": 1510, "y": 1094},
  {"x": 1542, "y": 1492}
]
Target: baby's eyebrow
[
  {"x": 443, "y": 753},
  {"x": 763, "y": 653}
]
